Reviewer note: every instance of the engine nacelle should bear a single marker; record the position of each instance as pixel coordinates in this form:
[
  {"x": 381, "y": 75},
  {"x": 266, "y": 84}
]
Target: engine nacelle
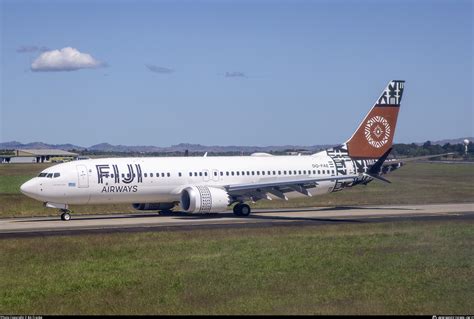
[
  {"x": 153, "y": 206},
  {"x": 203, "y": 199}
]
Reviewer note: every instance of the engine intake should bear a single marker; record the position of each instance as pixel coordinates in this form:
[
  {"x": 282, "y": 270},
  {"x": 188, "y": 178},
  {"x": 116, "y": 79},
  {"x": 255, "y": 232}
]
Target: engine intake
[
  {"x": 203, "y": 199},
  {"x": 153, "y": 206}
]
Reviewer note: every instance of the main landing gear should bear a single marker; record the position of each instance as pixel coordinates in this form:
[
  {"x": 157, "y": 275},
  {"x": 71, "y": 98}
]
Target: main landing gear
[
  {"x": 242, "y": 209},
  {"x": 65, "y": 214}
]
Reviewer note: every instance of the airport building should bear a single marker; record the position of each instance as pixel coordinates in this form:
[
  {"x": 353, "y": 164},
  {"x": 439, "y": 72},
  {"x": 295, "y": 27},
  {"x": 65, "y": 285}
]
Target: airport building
[{"x": 39, "y": 156}]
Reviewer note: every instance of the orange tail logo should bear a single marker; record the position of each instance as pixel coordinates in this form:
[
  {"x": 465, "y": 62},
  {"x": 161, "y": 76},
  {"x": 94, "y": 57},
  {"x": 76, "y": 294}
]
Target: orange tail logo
[{"x": 375, "y": 134}]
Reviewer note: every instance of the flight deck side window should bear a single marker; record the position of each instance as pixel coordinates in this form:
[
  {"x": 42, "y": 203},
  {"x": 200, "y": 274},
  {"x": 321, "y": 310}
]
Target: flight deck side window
[
  {"x": 50, "y": 175},
  {"x": 56, "y": 175},
  {"x": 42, "y": 174}
]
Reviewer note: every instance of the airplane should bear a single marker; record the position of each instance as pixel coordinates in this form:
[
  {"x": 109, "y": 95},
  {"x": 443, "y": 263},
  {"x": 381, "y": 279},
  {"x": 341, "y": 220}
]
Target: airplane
[{"x": 211, "y": 184}]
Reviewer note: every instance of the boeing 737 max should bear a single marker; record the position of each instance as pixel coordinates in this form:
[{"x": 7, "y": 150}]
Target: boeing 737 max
[{"x": 211, "y": 184}]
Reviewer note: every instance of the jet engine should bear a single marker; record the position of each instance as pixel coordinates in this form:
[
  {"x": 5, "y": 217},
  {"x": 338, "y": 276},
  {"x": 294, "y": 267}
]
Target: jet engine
[
  {"x": 153, "y": 206},
  {"x": 203, "y": 199}
]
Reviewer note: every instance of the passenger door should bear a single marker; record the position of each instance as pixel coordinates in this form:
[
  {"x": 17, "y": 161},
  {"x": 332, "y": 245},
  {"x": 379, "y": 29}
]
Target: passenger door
[{"x": 82, "y": 176}]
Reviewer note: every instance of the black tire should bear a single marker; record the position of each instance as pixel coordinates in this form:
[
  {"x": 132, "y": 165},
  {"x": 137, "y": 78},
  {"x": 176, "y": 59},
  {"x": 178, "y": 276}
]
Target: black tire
[
  {"x": 237, "y": 210},
  {"x": 166, "y": 212},
  {"x": 65, "y": 216},
  {"x": 245, "y": 210}
]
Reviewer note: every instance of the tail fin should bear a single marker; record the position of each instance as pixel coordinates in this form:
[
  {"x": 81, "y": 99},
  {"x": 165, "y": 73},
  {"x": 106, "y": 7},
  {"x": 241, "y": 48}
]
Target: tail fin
[{"x": 374, "y": 136}]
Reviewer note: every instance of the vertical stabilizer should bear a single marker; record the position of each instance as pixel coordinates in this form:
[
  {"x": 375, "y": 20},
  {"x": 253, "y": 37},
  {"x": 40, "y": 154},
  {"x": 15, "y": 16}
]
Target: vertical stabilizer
[{"x": 374, "y": 136}]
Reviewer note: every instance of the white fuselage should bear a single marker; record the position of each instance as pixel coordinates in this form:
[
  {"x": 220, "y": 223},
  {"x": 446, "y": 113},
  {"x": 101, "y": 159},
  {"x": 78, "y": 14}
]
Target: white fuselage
[{"x": 161, "y": 179}]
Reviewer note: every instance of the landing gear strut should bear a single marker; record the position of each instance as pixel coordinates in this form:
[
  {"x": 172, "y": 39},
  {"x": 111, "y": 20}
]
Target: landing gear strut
[
  {"x": 65, "y": 214},
  {"x": 242, "y": 209}
]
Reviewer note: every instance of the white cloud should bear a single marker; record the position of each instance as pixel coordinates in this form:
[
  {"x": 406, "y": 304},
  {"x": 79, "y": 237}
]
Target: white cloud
[{"x": 66, "y": 59}]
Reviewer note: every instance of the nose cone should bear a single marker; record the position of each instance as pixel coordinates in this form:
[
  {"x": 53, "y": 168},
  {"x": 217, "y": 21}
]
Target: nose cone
[{"x": 29, "y": 188}]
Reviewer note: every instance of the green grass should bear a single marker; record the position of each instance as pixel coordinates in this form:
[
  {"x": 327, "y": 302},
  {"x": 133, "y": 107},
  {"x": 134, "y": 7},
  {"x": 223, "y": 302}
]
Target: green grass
[
  {"x": 390, "y": 268},
  {"x": 415, "y": 183}
]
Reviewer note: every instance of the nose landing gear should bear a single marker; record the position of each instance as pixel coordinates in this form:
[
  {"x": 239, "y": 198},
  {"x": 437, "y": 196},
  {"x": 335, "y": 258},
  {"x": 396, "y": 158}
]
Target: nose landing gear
[{"x": 65, "y": 214}]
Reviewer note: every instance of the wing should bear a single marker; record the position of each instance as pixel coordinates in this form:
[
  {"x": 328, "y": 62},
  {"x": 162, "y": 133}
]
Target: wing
[{"x": 257, "y": 191}]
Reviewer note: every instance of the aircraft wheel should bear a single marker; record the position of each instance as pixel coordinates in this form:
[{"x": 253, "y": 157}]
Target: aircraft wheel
[
  {"x": 65, "y": 216},
  {"x": 245, "y": 210},
  {"x": 237, "y": 210},
  {"x": 166, "y": 212},
  {"x": 242, "y": 210}
]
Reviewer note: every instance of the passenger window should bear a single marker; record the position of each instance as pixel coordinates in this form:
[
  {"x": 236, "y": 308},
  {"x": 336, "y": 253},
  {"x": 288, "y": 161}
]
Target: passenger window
[
  {"x": 253, "y": 172},
  {"x": 168, "y": 174},
  {"x": 145, "y": 175},
  {"x": 200, "y": 173},
  {"x": 263, "y": 172},
  {"x": 248, "y": 173},
  {"x": 304, "y": 172},
  {"x": 279, "y": 172},
  {"x": 258, "y": 172},
  {"x": 179, "y": 174},
  {"x": 299, "y": 172},
  {"x": 294, "y": 172},
  {"x": 222, "y": 173},
  {"x": 56, "y": 175},
  {"x": 151, "y": 174},
  {"x": 195, "y": 174},
  {"x": 227, "y": 173},
  {"x": 289, "y": 172},
  {"x": 319, "y": 172},
  {"x": 162, "y": 174},
  {"x": 243, "y": 173},
  {"x": 238, "y": 173},
  {"x": 215, "y": 173},
  {"x": 284, "y": 172},
  {"x": 232, "y": 173},
  {"x": 191, "y": 174}
]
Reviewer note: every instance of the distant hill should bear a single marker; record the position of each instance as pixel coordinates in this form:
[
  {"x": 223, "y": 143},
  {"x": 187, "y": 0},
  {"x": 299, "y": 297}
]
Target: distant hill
[
  {"x": 106, "y": 147},
  {"x": 450, "y": 141}
]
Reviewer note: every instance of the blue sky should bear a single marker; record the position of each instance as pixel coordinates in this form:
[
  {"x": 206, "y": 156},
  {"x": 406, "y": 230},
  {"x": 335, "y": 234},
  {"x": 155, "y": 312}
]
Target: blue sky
[{"x": 234, "y": 72}]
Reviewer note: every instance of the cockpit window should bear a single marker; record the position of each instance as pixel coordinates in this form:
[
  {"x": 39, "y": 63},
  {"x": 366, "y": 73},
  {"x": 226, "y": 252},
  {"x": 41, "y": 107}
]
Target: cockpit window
[
  {"x": 56, "y": 175},
  {"x": 50, "y": 175},
  {"x": 42, "y": 174}
]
